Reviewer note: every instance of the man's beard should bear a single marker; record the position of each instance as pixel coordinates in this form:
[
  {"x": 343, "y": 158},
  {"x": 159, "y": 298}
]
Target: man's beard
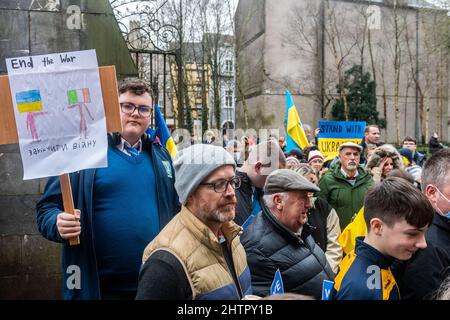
[
  {"x": 217, "y": 215},
  {"x": 351, "y": 166},
  {"x": 222, "y": 217}
]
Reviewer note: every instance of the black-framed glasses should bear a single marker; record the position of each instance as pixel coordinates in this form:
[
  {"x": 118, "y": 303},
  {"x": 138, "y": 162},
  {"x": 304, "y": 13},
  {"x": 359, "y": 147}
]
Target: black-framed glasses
[
  {"x": 129, "y": 107},
  {"x": 222, "y": 185}
]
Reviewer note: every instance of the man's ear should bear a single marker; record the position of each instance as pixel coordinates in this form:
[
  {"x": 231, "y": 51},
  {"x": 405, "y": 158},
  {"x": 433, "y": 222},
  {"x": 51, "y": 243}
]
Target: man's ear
[
  {"x": 376, "y": 226},
  {"x": 278, "y": 201},
  {"x": 431, "y": 193}
]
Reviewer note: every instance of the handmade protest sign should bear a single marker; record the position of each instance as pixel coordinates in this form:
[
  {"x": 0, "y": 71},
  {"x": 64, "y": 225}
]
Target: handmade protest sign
[
  {"x": 334, "y": 133},
  {"x": 59, "y": 112},
  {"x": 9, "y": 132}
]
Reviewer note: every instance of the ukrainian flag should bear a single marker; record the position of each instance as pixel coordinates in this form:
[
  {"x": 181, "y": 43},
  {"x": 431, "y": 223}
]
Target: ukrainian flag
[
  {"x": 29, "y": 101},
  {"x": 356, "y": 228},
  {"x": 295, "y": 135},
  {"x": 162, "y": 132}
]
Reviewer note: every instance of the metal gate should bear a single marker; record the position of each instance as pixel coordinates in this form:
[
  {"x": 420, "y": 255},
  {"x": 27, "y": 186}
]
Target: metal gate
[{"x": 155, "y": 46}]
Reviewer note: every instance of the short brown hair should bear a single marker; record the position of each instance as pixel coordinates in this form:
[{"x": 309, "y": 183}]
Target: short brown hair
[
  {"x": 134, "y": 85},
  {"x": 435, "y": 170},
  {"x": 409, "y": 138},
  {"x": 395, "y": 198},
  {"x": 367, "y": 128},
  {"x": 400, "y": 173}
]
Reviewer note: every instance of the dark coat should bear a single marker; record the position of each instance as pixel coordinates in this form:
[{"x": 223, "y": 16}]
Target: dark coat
[
  {"x": 426, "y": 270},
  {"x": 271, "y": 246},
  {"x": 317, "y": 218},
  {"x": 434, "y": 145},
  {"x": 244, "y": 197}
]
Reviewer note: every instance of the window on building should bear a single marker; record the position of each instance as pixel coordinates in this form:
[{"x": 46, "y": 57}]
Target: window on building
[
  {"x": 198, "y": 91},
  {"x": 228, "y": 65},
  {"x": 229, "y": 98}
]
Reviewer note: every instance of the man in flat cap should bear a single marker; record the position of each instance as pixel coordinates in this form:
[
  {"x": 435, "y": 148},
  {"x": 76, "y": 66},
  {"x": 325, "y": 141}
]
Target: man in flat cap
[
  {"x": 198, "y": 255},
  {"x": 280, "y": 238},
  {"x": 345, "y": 185}
]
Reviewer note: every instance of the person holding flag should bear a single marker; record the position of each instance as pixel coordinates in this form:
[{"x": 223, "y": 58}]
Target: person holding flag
[
  {"x": 295, "y": 134},
  {"x": 123, "y": 206}
]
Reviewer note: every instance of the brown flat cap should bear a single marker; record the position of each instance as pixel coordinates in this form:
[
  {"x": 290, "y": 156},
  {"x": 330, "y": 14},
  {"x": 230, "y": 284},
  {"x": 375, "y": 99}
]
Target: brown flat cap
[
  {"x": 350, "y": 145},
  {"x": 283, "y": 180}
]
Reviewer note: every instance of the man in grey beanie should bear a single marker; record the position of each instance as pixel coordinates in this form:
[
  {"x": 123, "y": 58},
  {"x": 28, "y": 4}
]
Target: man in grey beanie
[
  {"x": 280, "y": 238},
  {"x": 198, "y": 255}
]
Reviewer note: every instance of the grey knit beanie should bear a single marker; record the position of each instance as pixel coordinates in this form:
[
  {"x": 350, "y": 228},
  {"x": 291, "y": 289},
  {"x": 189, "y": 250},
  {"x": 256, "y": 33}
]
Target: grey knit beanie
[{"x": 193, "y": 164}]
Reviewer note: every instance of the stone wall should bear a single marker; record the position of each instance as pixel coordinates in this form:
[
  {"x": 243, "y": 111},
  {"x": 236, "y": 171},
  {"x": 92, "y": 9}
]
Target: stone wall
[
  {"x": 274, "y": 57},
  {"x": 29, "y": 264}
]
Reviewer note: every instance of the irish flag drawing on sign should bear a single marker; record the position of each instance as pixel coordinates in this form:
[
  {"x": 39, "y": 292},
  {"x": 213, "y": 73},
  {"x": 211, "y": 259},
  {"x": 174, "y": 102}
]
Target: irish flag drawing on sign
[
  {"x": 29, "y": 101},
  {"x": 74, "y": 96}
]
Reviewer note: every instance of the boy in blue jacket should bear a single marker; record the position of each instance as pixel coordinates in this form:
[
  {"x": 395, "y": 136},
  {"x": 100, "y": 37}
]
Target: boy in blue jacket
[
  {"x": 397, "y": 215},
  {"x": 119, "y": 209}
]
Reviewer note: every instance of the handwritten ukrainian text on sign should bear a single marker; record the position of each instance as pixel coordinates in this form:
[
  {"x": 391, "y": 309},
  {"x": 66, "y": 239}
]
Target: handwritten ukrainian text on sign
[
  {"x": 334, "y": 133},
  {"x": 59, "y": 112}
]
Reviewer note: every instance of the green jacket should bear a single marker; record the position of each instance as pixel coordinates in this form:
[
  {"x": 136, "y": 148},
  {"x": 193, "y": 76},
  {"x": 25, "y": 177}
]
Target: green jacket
[{"x": 346, "y": 199}]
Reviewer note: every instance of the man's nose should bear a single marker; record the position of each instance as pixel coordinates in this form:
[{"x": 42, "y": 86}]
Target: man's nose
[
  {"x": 422, "y": 243},
  {"x": 229, "y": 191},
  {"x": 135, "y": 112}
]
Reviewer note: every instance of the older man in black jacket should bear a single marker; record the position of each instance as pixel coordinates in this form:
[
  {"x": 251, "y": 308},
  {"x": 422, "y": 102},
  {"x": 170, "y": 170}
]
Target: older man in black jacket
[{"x": 280, "y": 238}]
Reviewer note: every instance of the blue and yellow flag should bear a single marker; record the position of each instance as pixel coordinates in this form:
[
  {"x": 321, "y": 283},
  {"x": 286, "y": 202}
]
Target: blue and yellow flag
[
  {"x": 162, "y": 132},
  {"x": 356, "y": 228},
  {"x": 295, "y": 135},
  {"x": 29, "y": 101}
]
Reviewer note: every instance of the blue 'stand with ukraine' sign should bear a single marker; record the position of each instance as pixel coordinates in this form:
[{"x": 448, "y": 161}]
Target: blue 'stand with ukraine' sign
[{"x": 334, "y": 133}]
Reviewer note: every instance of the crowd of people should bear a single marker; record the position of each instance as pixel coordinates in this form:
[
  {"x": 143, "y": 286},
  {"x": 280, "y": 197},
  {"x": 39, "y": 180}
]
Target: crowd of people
[{"x": 221, "y": 219}]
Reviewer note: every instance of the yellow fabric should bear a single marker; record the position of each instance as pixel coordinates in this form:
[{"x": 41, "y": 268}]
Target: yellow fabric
[
  {"x": 295, "y": 129},
  {"x": 388, "y": 283},
  {"x": 199, "y": 251},
  {"x": 405, "y": 161},
  {"x": 343, "y": 268},
  {"x": 356, "y": 228},
  {"x": 171, "y": 147}
]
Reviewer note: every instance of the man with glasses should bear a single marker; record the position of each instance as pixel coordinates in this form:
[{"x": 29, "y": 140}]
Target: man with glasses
[
  {"x": 280, "y": 238},
  {"x": 425, "y": 272},
  {"x": 120, "y": 209},
  {"x": 198, "y": 255}
]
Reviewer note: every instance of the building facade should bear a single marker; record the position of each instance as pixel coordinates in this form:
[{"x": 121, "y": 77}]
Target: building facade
[
  {"x": 209, "y": 76},
  {"x": 305, "y": 46}
]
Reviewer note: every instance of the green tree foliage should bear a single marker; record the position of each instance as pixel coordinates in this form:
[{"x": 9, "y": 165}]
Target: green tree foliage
[{"x": 361, "y": 98}]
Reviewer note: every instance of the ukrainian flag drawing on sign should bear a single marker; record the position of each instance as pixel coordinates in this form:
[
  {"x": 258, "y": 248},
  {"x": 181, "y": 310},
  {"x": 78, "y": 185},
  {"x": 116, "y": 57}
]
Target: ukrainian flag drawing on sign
[
  {"x": 295, "y": 135},
  {"x": 29, "y": 101},
  {"x": 162, "y": 132}
]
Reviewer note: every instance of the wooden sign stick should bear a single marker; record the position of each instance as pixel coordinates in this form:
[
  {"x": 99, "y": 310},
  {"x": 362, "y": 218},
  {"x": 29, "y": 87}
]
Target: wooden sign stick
[
  {"x": 66, "y": 191},
  {"x": 8, "y": 128}
]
